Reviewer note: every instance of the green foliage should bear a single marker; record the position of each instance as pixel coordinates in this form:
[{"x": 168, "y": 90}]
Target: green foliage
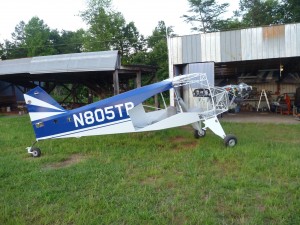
[
  {"x": 291, "y": 11},
  {"x": 251, "y": 13},
  {"x": 163, "y": 177},
  {"x": 93, "y": 7},
  {"x": 1, "y": 51},
  {"x": 36, "y": 39},
  {"x": 109, "y": 30},
  {"x": 265, "y": 12},
  {"x": 157, "y": 53},
  {"x": 17, "y": 48},
  {"x": 229, "y": 24},
  {"x": 69, "y": 41},
  {"x": 130, "y": 42},
  {"x": 206, "y": 13},
  {"x": 261, "y": 12},
  {"x": 102, "y": 29}
]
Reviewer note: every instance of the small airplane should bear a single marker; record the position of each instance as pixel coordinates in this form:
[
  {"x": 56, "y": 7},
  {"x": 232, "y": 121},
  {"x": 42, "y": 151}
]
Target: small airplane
[{"x": 125, "y": 113}]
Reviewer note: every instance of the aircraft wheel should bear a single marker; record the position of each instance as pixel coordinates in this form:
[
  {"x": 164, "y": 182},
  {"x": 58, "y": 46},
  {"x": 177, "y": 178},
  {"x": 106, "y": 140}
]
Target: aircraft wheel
[
  {"x": 36, "y": 152},
  {"x": 230, "y": 140},
  {"x": 199, "y": 134}
]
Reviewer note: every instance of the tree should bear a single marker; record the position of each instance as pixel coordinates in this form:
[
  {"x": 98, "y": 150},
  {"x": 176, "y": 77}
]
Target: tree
[
  {"x": 291, "y": 11},
  {"x": 102, "y": 30},
  {"x": 36, "y": 39},
  {"x": 93, "y": 7},
  {"x": 39, "y": 38},
  {"x": 206, "y": 13},
  {"x": 69, "y": 41},
  {"x": 261, "y": 12},
  {"x": 108, "y": 30},
  {"x": 129, "y": 42},
  {"x": 157, "y": 50},
  {"x": 16, "y": 48},
  {"x": 1, "y": 51}
]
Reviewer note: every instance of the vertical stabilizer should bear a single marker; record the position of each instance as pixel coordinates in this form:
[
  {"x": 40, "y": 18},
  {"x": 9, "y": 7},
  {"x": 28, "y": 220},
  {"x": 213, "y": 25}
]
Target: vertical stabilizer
[{"x": 40, "y": 105}]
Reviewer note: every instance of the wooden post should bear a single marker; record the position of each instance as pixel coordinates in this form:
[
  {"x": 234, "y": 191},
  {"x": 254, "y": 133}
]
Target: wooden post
[
  {"x": 116, "y": 82},
  {"x": 138, "y": 79}
]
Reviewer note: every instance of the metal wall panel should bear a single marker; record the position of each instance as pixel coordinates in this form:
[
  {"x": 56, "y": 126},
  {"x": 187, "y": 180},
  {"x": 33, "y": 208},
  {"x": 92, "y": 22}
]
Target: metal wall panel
[
  {"x": 273, "y": 42},
  {"x": 231, "y": 46},
  {"x": 207, "y": 68},
  {"x": 176, "y": 50},
  {"x": 290, "y": 40},
  {"x": 239, "y": 45},
  {"x": 251, "y": 42},
  {"x": 210, "y": 47},
  {"x": 272, "y": 87},
  {"x": 191, "y": 48},
  {"x": 246, "y": 49},
  {"x": 288, "y": 88}
]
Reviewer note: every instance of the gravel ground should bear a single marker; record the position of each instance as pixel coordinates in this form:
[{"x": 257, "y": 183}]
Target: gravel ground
[{"x": 260, "y": 117}]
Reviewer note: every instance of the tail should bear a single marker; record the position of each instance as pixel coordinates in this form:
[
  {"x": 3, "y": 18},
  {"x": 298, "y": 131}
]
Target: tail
[{"x": 40, "y": 105}]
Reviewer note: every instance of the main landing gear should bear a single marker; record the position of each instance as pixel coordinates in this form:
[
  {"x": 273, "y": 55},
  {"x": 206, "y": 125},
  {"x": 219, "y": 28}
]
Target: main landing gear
[
  {"x": 230, "y": 140},
  {"x": 199, "y": 133}
]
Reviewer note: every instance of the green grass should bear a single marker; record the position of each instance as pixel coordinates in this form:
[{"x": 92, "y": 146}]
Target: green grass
[{"x": 164, "y": 177}]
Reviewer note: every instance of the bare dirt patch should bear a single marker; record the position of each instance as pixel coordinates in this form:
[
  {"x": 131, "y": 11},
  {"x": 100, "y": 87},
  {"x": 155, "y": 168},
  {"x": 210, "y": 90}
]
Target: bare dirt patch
[
  {"x": 182, "y": 143},
  {"x": 73, "y": 159},
  {"x": 152, "y": 180}
]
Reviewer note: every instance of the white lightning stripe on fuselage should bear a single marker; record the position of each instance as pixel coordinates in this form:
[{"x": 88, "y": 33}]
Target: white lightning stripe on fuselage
[
  {"x": 42, "y": 115},
  {"x": 128, "y": 127},
  {"x": 34, "y": 101}
]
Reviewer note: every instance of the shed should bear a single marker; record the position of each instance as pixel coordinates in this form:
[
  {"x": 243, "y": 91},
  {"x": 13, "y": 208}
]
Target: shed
[
  {"x": 267, "y": 58},
  {"x": 101, "y": 72}
]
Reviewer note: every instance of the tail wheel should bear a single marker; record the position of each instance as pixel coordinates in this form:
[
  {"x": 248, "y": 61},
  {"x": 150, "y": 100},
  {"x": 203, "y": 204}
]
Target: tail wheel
[
  {"x": 36, "y": 152},
  {"x": 199, "y": 133},
  {"x": 230, "y": 140}
]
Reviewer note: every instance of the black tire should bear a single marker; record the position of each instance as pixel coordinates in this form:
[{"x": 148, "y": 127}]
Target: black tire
[
  {"x": 36, "y": 152},
  {"x": 199, "y": 134},
  {"x": 230, "y": 140}
]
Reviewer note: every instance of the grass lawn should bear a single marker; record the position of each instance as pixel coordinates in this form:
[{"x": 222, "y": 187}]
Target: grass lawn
[{"x": 164, "y": 177}]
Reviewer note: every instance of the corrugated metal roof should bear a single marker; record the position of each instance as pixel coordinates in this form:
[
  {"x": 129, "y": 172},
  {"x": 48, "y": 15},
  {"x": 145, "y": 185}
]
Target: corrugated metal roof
[
  {"x": 87, "y": 61},
  {"x": 15, "y": 66}
]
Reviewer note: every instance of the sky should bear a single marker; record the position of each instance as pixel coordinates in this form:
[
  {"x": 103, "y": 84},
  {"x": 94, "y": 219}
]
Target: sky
[{"x": 64, "y": 14}]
